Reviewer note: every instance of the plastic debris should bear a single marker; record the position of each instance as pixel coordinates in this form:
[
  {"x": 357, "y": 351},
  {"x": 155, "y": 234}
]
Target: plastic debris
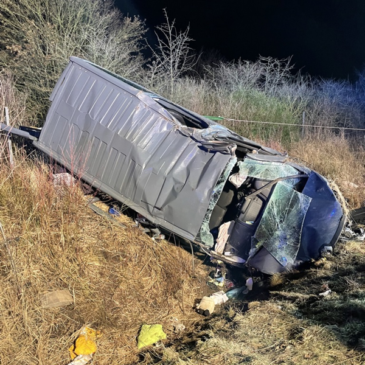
[
  {"x": 150, "y": 334},
  {"x": 249, "y": 284},
  {"x": 85, "y": 344},
  {"x": 113, "y": 211},
  {"x": 234, "y": 258},
  {"x": 57, "y": 298},
  {"x": 206, "y": 306},
  {"x": 356, "y": 233},
  {"x": 219, "y": 297},
  {"x": 217, "y": 281},
  {"x": 348, "y": 232},
  {"x": 229, "y": 284},
  {"x": 63, "y": 179},
  {"x": 235, "y": 293},
  {"x": 324, "y": 294},
  {"x": 177, "y": 326},
  {"x": 218, "y": 272},
  {"x": 327, "y": 250},
  {"x": 218, "y": 278},
  {"x": 81, "y": 360}
]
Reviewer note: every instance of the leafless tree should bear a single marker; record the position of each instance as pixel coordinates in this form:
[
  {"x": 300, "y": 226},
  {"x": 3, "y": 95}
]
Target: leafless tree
[{"x": 172, "y": 56}]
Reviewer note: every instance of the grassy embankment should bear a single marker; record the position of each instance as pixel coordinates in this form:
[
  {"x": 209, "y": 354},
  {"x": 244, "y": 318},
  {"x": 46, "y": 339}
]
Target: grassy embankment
[{"x": 120, "y": 278}]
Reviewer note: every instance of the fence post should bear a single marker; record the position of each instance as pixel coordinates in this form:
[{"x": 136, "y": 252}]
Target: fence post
[
  {"x": 342, "y": 133},
  {"x": 11, "y": 157},
  {"x": 303, "y": 123}
]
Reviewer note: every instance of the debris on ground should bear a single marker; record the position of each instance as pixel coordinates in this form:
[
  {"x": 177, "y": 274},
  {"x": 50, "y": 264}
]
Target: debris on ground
[
  {"x": 177, "y": 326},
  {"x": 326, "y": 290},
  {"x": 85, "y": 344},
  {"x": 249, "y": 284},
  {"x": 324, "y": 294},
  {"x": 81, "y": 360},
  {"x": 327, "y": 250},
  {"x": 218, "y": 277},
  {"x": 57, "y": 298},
  {"x": 103, "y": 210},
  {"x": 114, "y": 211},
  {"x": 63, "y": 179},
  {"x": 353, "y": 232},
  {"x": 237, "y": 292},
  {"x": 206, "y": 306},
  {"x": 150, "y": 334},
  {"x": 219, "y": 297},
  {"x": 217, "y": 281},
  {"x": 147, "y": 227}
]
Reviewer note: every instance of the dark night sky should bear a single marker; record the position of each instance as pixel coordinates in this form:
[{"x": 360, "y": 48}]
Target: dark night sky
[{"x": 325, "y": 37}]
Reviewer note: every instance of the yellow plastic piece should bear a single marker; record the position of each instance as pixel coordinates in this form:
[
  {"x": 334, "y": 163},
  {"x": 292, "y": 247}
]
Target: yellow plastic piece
[
  {"x": 85, "y": 343},
  {"x": 150, "y": 334}
]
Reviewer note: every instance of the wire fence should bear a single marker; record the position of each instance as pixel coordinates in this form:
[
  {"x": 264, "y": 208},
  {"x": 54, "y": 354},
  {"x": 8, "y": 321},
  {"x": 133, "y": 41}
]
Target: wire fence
[{"x": 290, "y": 131}]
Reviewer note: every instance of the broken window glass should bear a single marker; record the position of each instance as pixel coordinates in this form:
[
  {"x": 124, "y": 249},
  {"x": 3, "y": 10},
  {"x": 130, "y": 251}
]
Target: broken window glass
[
  {"x": 204, "y": 236},
  {"x": 267, "y": 170},
  {"x": 280, "y": 228}
]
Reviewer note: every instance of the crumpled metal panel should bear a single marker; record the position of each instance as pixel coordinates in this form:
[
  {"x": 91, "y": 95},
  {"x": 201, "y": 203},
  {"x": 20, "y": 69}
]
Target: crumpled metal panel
[
  {"x": 322, "y": 220},
  {"x": 124, "y": 143}
]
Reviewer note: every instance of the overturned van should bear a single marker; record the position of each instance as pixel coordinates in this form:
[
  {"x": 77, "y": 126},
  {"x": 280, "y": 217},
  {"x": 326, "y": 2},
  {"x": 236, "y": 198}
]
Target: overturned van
[{"x": 241, "y": 202}]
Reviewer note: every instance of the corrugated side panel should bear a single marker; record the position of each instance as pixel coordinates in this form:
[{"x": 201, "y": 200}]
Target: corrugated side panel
[{"x": 114, "y": 138}]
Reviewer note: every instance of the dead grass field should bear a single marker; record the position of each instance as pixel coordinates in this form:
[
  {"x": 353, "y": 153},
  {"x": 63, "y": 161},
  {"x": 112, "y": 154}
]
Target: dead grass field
[{"x": 121, "y": 279}]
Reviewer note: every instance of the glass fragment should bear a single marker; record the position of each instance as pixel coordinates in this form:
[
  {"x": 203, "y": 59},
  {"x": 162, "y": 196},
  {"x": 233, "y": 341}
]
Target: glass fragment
[
  {"x": 267, "y": 170},
  {"x": 280, "y": 228},
  {"x": 204, "y": 236}
]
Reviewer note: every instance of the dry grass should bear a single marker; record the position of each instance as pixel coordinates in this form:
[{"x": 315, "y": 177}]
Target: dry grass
[
  {"x": 119, "y": 278},
  {"x": 337, "y": 159},
  {"x": 293, "y": 324},
  {"x": 13, "y": 99},
  {"x": 270, "y": 334}
]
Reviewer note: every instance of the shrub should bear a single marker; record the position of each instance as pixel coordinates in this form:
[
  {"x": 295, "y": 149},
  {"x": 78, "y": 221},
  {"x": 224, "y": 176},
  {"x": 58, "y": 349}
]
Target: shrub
[{"x": 38, "y": 36}]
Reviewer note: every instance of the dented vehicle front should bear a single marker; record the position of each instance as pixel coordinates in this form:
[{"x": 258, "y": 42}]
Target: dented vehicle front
[{"x": 239, "y": 201}]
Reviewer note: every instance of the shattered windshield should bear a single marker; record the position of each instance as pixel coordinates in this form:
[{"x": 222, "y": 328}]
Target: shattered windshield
[
  {"x": 267, "y": 170},
  {"x": 281, "y": 225}
]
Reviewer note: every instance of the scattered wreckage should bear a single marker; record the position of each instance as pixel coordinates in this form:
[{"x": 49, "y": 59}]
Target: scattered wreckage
[{"x": 242, "y": 203}]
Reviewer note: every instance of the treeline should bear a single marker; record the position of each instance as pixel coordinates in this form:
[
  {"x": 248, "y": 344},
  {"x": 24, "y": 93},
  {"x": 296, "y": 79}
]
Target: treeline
[{"x": 37, "y": 37}]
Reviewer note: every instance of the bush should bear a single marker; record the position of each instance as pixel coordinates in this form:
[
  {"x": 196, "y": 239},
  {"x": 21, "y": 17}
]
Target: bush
[{"x": 37, "y": 37}]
